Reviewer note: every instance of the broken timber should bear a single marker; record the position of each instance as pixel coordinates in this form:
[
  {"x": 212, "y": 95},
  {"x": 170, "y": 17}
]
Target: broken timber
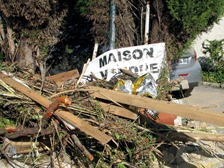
[
  {"x": 70, "y": 118},
  {"x": 160, "y": 106},
  {"x": 118, "y": 111},
  {"x": 60, "y": 78}
]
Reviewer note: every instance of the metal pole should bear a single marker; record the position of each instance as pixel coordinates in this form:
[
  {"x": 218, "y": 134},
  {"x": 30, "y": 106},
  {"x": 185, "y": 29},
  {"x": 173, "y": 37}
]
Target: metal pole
[
  {"x": 147, "y": 13},
  {"x": 112, "y": 25}
]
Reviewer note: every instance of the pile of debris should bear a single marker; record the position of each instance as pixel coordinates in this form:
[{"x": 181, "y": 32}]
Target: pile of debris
[{"x": 56, "y": 122}]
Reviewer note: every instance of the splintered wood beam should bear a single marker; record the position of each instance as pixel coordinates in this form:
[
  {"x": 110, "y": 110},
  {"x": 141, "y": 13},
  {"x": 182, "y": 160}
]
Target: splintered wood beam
[
  {"x": 21, "y": 147},
  {"x": 158, "y": 105},
  {"x": 119, "y": 111},
  {"x": 83, "y": 126},
  {"x": 66, "y": 116},
  {"x": 25, "y": 90},
  {"x": 204, "y": 136},
  {"x": 60, "y": 78}
]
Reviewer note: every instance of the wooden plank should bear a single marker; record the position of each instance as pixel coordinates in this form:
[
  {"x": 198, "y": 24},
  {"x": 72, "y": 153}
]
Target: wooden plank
[
  {"x": 75, "y": 121},
  {"x": 64, "y": 76},
  {"x": 160, "y": 106},
  {"x": 21, "y": 146},
  {"x": 25, "y": 90},
  {"x": 84, "y": 126},
  {"x": 204, "y": 136},
  {"x": 119, "y": 111}
]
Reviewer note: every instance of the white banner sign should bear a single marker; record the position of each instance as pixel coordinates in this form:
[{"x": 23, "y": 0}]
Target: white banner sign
[{"x": 138, "y": 59}]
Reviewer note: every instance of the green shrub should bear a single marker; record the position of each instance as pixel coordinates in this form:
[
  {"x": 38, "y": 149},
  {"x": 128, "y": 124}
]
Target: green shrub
[
  {"x": 212, "y": 77},
  {"x": 215, "y": 60},
  {"x": 195, "y": 16}
]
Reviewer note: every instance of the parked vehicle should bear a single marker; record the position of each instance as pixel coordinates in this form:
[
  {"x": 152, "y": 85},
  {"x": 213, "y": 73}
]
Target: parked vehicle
[{"x": 189, "y": 68}]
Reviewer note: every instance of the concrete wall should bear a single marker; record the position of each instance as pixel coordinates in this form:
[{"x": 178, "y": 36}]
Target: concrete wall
[{"x": 216, "y": 33}]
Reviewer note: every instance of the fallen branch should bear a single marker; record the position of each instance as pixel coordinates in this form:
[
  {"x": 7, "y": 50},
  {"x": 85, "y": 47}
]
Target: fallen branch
[
  {"x": 81, "y": 147},
  {"x": 25, "y": 132}
]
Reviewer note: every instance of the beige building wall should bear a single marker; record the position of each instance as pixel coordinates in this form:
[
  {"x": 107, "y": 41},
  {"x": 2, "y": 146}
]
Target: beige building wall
[{"x": 216, "y": 33}]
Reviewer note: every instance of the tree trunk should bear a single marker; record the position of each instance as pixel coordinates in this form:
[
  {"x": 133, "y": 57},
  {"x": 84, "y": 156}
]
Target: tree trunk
[
  {"x": 155, "y": 31},
  {"x": 2, "y": 34},
  {"x": 25, "y": 57},
  {"x": 11, "y": 44}
]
